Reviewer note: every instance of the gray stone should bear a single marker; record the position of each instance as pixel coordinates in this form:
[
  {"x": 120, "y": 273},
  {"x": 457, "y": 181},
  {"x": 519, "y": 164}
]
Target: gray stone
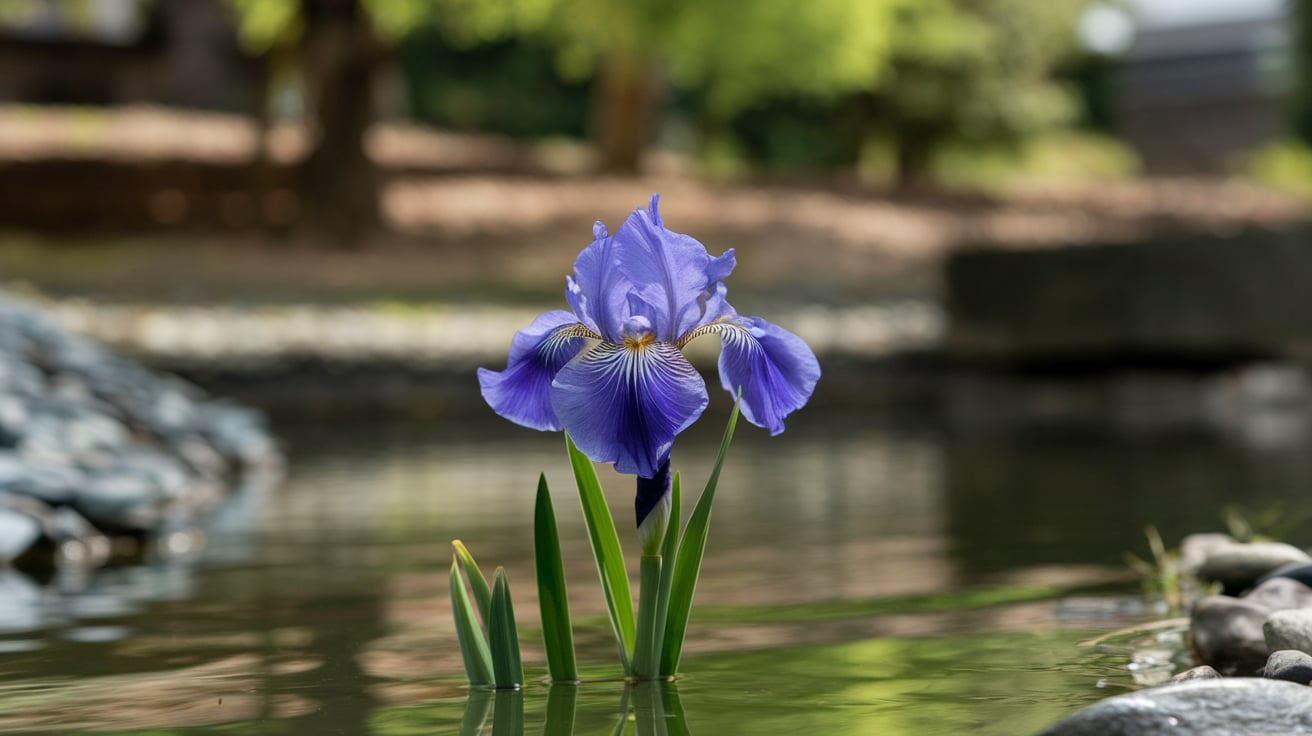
[
  {"x": 1201, "y": 672},
  {"x": 18, "y": 531},
  {"x": 1289, "y": 664},
  {"x": 1227, "y": 634},
  {"x": 1238, "y": 566},
  {"x": 1195, "y": 548},
  {"x": 1289, "y": 630},
  {"x": 1294, "y": 571},
  {"x": 1237, "y": 706},
  {"x": 1280, "y": 594}
]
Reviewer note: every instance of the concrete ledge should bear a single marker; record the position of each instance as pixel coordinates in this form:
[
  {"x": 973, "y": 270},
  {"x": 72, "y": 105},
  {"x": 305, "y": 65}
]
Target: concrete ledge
[{"x": 1209, "y": 300}]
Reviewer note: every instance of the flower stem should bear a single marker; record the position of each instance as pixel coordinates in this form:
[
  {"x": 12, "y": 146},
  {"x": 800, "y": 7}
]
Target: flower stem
[{"x": 646, "y": 650}]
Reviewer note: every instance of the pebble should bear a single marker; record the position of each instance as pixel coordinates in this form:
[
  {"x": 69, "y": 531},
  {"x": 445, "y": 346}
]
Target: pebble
[
  {"x": 1289, "y": 630},
  {"x": 1289, "y": 664}
]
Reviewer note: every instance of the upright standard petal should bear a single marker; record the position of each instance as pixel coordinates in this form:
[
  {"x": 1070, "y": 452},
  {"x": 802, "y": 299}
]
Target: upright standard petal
[
  {"x": 672, "y": 273},
  {"x": 598, "y": 291},
  {"x": 775, "y": 370},
  {"x": 522, "y": 392},
  {"x": 624, "y": 404}
]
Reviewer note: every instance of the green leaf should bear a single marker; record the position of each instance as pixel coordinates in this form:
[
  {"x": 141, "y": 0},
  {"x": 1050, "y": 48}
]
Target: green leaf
[
  {"x": 669, "y": 552},
  {"x": 477, "y": 583},
  {"x": 477, "y": 709},
  {"x": 507, "y": 669},
  {"x": 606, "y": 550},
  {"x": 689, "y": 562},
  {"x": 474, "y": 648},
  {"x": 557, "y": 634}
]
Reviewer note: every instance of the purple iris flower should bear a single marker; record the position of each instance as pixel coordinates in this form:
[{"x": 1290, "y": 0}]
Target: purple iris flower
[{"x": 612, "y": 373}]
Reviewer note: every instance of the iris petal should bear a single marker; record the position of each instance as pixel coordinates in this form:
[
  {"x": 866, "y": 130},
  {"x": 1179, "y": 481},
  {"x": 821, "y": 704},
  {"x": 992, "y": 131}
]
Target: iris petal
[
  {"x": 671, "y": 272},
  {"x": 598, "y": 292},
  {"x": 775, "y": 370},
  {"x": 624, "y": 405},
  {"x": 522, "y": 392}
]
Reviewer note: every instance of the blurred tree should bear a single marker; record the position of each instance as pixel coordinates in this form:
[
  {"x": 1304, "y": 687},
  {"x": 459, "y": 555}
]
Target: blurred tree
[
  {"x": 339, "y": 52},
  {"x": 734, "y": 53},
  {"x": 976, "y": 71}
]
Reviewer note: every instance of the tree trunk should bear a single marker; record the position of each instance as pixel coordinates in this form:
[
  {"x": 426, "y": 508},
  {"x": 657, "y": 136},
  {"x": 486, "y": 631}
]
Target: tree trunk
[
  {"x": 338, "y": 183},
  {"x": 627, "y": 94},
  {"x": 915, "y": 156}
]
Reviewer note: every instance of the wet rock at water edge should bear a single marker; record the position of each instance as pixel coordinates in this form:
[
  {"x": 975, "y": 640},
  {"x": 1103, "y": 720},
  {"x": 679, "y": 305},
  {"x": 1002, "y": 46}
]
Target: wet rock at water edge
[
  {"x": 1280, "y": 594},
  {"x": 1290, "y": 665},
  {"x": 1289, "y": 630},
  {"x": 1293, "y": 571},
  {"x": 1201, "y": 672},
  {"x": 1237, "y": 706},
  {"x": 1239, "y": 566},
  {"x": 1195, "y": 548},
  {"x": 1227, "y": 634}
]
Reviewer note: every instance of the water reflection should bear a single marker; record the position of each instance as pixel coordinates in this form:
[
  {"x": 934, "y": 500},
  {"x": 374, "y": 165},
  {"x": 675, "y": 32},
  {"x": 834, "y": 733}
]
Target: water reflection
[
  {"x": 863, "y": 575},
  {"x": 654, "y": 709}
]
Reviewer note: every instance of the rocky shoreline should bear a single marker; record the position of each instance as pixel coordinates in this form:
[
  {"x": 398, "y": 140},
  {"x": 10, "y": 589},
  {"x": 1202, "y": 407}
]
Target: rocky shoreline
[
  {"x": 1251, "y": 643},
  {"x": 95, "y": 447}
]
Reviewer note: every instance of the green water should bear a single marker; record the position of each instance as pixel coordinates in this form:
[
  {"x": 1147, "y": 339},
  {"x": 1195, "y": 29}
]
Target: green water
[{"x": 862, "y": 576}]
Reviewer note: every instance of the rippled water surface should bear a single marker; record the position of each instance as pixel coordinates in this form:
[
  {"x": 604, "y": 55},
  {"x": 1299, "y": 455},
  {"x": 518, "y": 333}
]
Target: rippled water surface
[{"x": 863, "y": 576}]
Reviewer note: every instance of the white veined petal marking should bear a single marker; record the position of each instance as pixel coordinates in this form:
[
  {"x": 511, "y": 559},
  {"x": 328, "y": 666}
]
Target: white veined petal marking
[
  {"x": 725, "y": 330},
  {"x": 551, "y": 347}
]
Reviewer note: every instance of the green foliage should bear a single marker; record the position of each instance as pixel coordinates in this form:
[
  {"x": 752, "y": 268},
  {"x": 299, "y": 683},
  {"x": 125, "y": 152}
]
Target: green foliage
[
  {"x": 1161, "y": 576},
  {"x": 687, "y": 565},
  {"x": 503, "y": 640},
  {"x": 975, "y": 70},
  {"x": 473, "y": 642},
  {"x": 553, "y": 599},
  {"x": 606, "y": 551},
  {"x": 1267, "y": 524},
  {"x": 263, "y": 24},
  {"x": 1284, "y": 165}
]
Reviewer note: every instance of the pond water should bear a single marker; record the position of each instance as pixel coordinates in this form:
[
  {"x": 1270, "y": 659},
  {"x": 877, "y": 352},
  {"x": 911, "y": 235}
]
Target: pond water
[{"x": 865, "y": 574}]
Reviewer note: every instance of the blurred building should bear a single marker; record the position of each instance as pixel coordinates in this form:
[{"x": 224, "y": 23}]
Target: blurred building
[
  {"x": 1202, "y": 82},
  {"x": 102, "y": 52}
]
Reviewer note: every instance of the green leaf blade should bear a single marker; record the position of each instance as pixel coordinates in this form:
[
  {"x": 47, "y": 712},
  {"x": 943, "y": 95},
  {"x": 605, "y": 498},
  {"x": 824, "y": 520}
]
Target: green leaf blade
[
  {"x": 553, "y": 602},
  {"x": 507, "y": 668},
  {"x": 689, "y": 561},
  {"x": 477, "y": 583},
  {"x": 474, "y": 648},
  {"x": 606, "y": 551}
]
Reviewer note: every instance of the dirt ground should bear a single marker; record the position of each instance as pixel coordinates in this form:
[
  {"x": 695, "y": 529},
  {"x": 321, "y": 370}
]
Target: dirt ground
[{"x": 476, "y": 219}]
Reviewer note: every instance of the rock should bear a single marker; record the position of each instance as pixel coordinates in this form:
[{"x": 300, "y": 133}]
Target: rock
[
  {"x": 1280, "y": 594},
  {"x": 18, "y": 531},
  {"x": 92, "y": 442},
  {"x": 1289, "y": 630},
  {"x": 1239, "y": 566},
  {"x": 1237, "y": 706},
  {"x": 1195, "y": 548},
  {"x": 1201, "y": 672},
  {"x": 1290, "y": 665},
  {"x": 1294, "y": 571},
  {"x": 1227, "y": 634}
]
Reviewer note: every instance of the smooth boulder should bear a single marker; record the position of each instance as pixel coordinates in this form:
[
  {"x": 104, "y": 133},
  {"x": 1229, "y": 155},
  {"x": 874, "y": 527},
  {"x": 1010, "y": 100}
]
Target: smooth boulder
[{"x": 1237, "y": 706}]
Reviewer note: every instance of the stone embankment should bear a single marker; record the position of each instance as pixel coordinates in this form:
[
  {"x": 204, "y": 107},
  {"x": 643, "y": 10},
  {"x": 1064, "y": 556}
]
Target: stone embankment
[{"x": 95, "y": 446}]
